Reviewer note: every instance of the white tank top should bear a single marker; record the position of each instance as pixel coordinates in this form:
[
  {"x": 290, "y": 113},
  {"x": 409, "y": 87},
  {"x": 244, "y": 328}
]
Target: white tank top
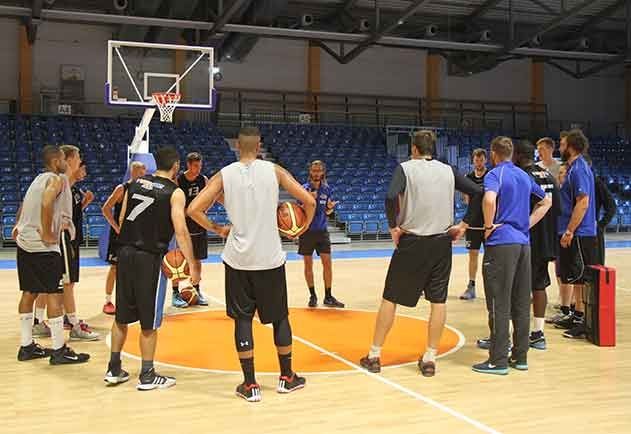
[
  {"x": 31, "y": 217},
  {"x": 251, "y": 199},
  {"x": 66, "y": 207}
]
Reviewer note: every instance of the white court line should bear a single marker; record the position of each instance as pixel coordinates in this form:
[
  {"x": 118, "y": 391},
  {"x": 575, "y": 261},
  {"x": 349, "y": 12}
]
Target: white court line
[{"x": 390, "y": 383}]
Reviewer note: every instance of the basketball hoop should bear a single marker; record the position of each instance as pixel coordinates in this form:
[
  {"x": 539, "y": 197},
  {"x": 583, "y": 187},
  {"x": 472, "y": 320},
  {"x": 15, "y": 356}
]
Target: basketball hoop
[{"x": 166, "y": 103}]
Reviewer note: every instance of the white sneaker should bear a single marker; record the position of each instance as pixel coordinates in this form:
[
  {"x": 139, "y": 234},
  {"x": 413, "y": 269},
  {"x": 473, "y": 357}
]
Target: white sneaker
[
  {"x": 152, "y": 380},
  {"x": 81, "y": 332}
]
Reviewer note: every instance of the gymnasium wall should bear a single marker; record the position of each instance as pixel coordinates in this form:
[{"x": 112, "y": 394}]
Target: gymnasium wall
[{"x": 282, "y": 65}]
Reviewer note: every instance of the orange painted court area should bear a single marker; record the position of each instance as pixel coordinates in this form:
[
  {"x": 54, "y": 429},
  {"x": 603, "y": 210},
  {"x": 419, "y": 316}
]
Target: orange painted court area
[{"x": 205, "y": 339}]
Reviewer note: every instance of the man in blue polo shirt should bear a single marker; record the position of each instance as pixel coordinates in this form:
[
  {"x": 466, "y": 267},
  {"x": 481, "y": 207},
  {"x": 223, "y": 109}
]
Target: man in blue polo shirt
[
  {"x": 317, "y": 236},
  {"x": 506, "y": 266},
  {"x": 577, "y": 227}
]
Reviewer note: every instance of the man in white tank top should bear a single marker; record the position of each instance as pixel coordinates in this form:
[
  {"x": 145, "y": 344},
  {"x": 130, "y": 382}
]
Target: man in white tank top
[
  {"x": 253, "y": 257},
  {"x": 37, "y": 233}
]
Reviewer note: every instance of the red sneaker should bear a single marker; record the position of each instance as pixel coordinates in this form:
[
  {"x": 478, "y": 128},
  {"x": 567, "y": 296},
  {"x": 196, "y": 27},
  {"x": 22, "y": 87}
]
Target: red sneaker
[{"x": 109, "y": 308}]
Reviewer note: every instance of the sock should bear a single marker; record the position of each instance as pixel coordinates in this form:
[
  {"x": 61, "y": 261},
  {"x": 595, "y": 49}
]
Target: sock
[
  {"x": 40, "y": 313},
  {"x": 176, "y": 290},
  {"x": 26, "y": 328},
  {"x": 57, "y": 331},
  {"x": 471, "y": 282},
  {"x": 312, "y": 291},
  {"x": 247, "y": 366},
  {"x": 536, "y": 334},
  {"x": 115, "y": 362},
  {"x": 108, "y": 298},
  {"x": 538, "y": 326},
  {"x": 430, "y": 355},
  {"x": 375, "y": 352},
  {"x": 285, "y": 365},
  {"x": 565, "y": 310},
  {"x": 578, "y": 315},
  {"x": 146, "y": 366},
  {"x": 573, "y": 307},
  {"x": 327, "y": 292},
  {"x": 196, "y": 288},
  {"x": 72, "y": 318}
]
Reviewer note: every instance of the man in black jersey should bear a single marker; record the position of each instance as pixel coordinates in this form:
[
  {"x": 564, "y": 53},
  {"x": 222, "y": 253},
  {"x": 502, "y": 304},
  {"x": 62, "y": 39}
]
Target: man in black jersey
[
  {"x": 544, "y": 246},
  {"x": 475, "y": 237},
  {"x": 192, "y": 182},
  {"x": 153, "y": 210},
  {"x": 136, "y": 170}
]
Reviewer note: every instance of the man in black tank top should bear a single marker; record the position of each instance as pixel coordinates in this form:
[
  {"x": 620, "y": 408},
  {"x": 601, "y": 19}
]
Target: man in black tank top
[
  {"x": 153, "y": 210},
  {"x": 137, "y": 170},
  {"x": 192, "y": 182}
]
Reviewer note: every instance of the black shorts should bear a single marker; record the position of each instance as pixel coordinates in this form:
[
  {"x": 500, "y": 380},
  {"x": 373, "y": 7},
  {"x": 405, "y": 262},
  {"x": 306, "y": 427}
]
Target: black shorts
[
  {"x": 264, "y": 291},
  {"x": 69, "y": 258},
  {"x": 573, "y": 260},
  {"x": 140, "y": 288},
  {"x": 474, "y": 239},
  {"x": 39, "y": 272},
  {"x": 112, "y": 248},
  {"x": 320, "y": 241},
  {"x": 540, "y": 273},
  {"x": 419, "y": 265},
  {"x": 200, "y": 245}
]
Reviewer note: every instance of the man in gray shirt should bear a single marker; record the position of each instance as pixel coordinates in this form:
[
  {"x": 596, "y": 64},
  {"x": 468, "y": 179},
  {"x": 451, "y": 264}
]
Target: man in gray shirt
[
  {"x": 545, "y": 148},
  {"x": 423, "y": 191}
]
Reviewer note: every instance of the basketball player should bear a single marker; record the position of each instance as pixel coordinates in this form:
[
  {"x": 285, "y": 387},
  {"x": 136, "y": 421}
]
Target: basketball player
[
  {"x": 317, "y": 236},
  {"x": 577, "y": 228},
  {"x": 545, "y": 148},
  {"x": 506, "y": 265},
  {"x": 475, "y": 237},
  {"x": 192, "y": 182},
  {"x": 253, "y": 257},
  {"x": 37, "y": 233},
  {"x": 153, "y": 209},
  {"x": 136, "y": 170},
  {"x": 423, "y": 189}
]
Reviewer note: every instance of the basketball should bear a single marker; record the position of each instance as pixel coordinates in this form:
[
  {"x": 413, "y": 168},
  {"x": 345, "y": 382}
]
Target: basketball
[
  {"x": 291, "y": 218},
  {"x": 189, "y": 295},
  {"x": 174, "y": 265}
]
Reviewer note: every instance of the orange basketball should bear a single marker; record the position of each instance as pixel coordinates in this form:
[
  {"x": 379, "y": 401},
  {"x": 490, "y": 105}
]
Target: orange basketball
[
  {"x": 189, "y": 295},
  {"x": 174, "y": 265},
  {"x": 291, "y": 218}
]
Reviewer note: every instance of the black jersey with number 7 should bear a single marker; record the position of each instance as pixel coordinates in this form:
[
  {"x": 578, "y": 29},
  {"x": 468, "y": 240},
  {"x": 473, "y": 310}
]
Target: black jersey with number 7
[{"x": 147, "y": 224}]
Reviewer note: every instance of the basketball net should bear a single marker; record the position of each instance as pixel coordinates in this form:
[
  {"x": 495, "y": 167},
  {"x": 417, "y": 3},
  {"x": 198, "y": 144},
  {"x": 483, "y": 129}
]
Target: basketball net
[{"x": 166, "y": 103}]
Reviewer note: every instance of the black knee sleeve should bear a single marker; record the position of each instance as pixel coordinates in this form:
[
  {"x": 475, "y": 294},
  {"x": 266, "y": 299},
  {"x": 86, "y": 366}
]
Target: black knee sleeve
[
  {"x": 243, "y": 338},
  {"x": 282, "y": 333}
]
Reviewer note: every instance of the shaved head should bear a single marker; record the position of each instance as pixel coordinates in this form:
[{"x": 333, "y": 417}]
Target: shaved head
[{"x": 249, "y": 139}]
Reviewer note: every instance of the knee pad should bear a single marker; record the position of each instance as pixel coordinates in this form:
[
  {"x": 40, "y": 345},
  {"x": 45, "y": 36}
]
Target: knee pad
[
  {"x": 243, "y": 338},
  {"x": 282, "y": 333}
]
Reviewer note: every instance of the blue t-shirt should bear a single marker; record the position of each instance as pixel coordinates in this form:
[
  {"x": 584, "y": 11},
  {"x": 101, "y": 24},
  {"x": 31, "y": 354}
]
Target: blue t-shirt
[
  {"x": 579, "y": 181},
  {"x": 514, "y": 188},
  {"x": 319, "y": 222}
]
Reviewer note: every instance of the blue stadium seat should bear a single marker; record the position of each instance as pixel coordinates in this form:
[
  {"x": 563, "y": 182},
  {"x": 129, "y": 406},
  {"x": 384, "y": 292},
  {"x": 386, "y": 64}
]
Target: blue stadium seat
[
  {"x": 354, "y": 228},
  {"x": 95, "y": 231},
  {"x": 371, "y": 227}
]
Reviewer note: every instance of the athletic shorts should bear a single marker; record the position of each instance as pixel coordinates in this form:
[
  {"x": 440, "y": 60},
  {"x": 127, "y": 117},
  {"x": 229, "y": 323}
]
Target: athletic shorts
[
  {"x": 39, "y": 272},
  {"x": 112, "y": 248},
  {"x": 320, "y": 241},
  {"x": 69, "y": 258},
  {"x": 540, "y": 273},
  {"x": 474, "y": 239},
  {"x": 200, "y": 245},
  {"x": 573, "y": 260},
  {"x": 140, "y": 288},
  {"x": 262, "y": 291},
  {"x": 419, "y": 265}
]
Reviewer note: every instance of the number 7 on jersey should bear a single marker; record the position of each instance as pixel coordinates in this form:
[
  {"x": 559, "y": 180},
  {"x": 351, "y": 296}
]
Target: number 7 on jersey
[{"x": 145, "y": 202}]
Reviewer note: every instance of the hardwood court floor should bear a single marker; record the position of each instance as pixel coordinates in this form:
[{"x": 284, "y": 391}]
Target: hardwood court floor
[{"x": 573, "y": 386}]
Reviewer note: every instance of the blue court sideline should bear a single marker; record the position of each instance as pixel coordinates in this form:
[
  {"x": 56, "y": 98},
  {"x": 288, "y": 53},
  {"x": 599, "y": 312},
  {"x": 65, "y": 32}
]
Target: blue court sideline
[{"x": 9, "y": 264}]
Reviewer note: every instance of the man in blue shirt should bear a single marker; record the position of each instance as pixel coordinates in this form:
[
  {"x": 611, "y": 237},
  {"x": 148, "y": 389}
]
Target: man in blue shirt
[
  {"x": 317, "y": 236},
  {"x": 506, "y": 265},
  {"x": 577, "y": 227}
]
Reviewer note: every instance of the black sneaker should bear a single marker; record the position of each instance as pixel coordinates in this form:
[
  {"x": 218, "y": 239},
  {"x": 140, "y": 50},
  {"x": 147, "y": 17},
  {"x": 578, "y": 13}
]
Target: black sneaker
[
  {"x": 331, "y": 301},
  {"x": 290, "y": 384},
  {"x": 371, "y": 365},
  {"x": 565, "y": 323},
  {"x": 152, "y": 380},
  {"x": 576, "y": 332},
  {"x": 537, "y": 341},
  {"x": 32, "y": 352},
  {"x": 313, "y": 301},
  {"x": 520, "y": 366},
  {"x": 66, "y": 356},
  {"x": 115, "y": 376},
  {"x": 249, "y": 392}
]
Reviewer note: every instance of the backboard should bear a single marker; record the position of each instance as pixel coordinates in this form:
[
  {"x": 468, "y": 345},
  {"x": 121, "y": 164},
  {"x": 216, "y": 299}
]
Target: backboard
[{"x": 135, "y": 70}]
